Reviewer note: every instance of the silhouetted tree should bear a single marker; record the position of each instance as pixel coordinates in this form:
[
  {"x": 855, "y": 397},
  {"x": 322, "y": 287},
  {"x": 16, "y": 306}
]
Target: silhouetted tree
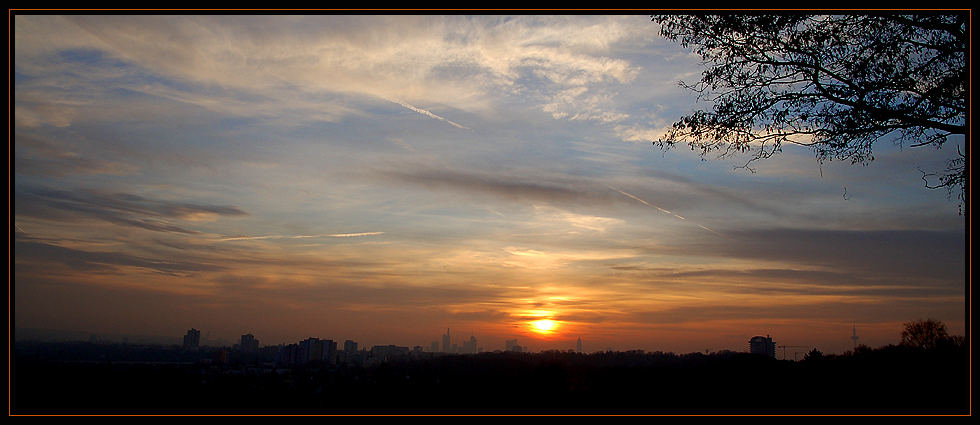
[
  {"x": 836, "y": 84},
  {"x": 813, "y": 355},
  {"x": 924, "y": 334},
  {"x": 862, "y": 349}
]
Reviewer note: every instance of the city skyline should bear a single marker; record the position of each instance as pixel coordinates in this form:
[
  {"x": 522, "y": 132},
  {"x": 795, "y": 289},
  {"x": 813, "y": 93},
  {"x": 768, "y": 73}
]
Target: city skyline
[{"x": 380, "y": 178}]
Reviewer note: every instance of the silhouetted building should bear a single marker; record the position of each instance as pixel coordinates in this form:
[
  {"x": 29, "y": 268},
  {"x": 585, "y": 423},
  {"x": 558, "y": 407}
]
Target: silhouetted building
[
  {"x": 578, "y": 345},
  {"x": 350, "y": 351},
  {"x": 249, "y": 344},
  {"x": 434, "y": 347},
  {"x": 222, "y": 356},
  {"x": 287, "y": 355},
  {"x": 328, "y": 351},
  {"x": 469, "y": 347},
  {"x": 192, "y": 339},
  {"x": 512, "y": 345},
  {"x": 445, "y": 343},
  {"x": 387, "y": 352},
  {"x": 762, "y": 345},
  {"x": 309, "y": 349}
]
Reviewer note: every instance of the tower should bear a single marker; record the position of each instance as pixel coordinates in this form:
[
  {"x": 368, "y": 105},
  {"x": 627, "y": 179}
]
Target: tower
[
  {"x": 446, "y": 348},
  {"x": 578, "y": 345},
  {"x": 854, "y": 336}
]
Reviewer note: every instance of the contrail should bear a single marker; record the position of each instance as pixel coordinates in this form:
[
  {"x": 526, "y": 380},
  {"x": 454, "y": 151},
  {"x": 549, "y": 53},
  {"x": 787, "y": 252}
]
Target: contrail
[
  {"x": 426, "y": 113},
  {"x": 249, "y": 238},
  {"x": 712, "y": 231},
  {"x": 353, "y": 235},
  {"x": 331, "y": 235},
  {"x": 661, "y": 209}
]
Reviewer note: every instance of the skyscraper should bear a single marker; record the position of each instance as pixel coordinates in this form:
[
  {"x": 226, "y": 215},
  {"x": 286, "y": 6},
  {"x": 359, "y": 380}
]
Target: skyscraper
[
  {"x": 192, "y": 339},
  {"x": 578, "y": 345},
  {"x": 446, "y": 343}
]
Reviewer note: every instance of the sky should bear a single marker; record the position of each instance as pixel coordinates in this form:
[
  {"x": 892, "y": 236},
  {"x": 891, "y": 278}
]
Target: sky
[{"x": 384, "y": 178}]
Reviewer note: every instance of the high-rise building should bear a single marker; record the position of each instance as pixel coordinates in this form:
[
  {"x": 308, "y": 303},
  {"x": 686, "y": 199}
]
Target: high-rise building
[
  {"x": 578, "y": 345},
  {"x": 512, "y": 345},
  {"x": 309, "y": 349},
  {"x": 446, "y": 343},
  {"x": 192, "y": 339},
  {"x": 434, "y": 347},
  {"x": 287, "y": 355},
  {"x": 249, "y": 344},
  {"x": 328, "y": 351},
  {"x": 350, "y": 347},
  {"x": 762, "y": 345}
]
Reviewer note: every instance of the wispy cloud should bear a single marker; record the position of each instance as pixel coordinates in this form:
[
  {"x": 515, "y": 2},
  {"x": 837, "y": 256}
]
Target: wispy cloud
[
  {"x": 528, "y": 188},
  {"x": 361, "y": 55},
  {"x": 36, "y": 155},
  {"x": 582, "y": 221},
  {"x": 35, "y": 253},
  {"x": 118, "y": 208}
]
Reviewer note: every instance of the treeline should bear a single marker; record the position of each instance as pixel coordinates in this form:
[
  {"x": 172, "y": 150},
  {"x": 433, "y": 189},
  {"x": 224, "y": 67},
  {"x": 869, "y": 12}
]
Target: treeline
[{"x": 896, "y": 379}]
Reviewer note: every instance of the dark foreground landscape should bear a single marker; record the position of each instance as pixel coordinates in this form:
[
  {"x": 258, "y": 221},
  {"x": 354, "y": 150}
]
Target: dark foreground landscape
[{"x": 89, "y": 378}]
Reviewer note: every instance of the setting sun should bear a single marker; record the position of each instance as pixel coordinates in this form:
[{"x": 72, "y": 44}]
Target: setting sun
[{"x": 544, "y": 326}]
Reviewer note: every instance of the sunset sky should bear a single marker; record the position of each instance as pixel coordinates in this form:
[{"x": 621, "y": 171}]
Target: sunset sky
[{"x": 383, "y": 178}]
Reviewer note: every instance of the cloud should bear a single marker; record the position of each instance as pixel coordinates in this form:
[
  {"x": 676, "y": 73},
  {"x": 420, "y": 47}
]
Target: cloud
[
  {"x": 553, "y": 259},
  {"x": 264, "y": 63},
  {"x": 812, "y": 310},
  {"x": 903, "y": 257},
  {"x": 68, "y": 165},
  {"x": 39, "y": 156},
  {"x": 663, "y": 194},
  {"x": 512, "y": 186},
  {"x": 118, "y": 208},
  {"x": 635, "y": 133},
  {"x": 583, "y": 221},
  {"x": 44, "y": 256}
]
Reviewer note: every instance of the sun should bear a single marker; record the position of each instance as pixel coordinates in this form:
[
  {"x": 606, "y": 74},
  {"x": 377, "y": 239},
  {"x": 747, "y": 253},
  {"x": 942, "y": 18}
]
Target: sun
[{"x": 544, "y": 326}]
